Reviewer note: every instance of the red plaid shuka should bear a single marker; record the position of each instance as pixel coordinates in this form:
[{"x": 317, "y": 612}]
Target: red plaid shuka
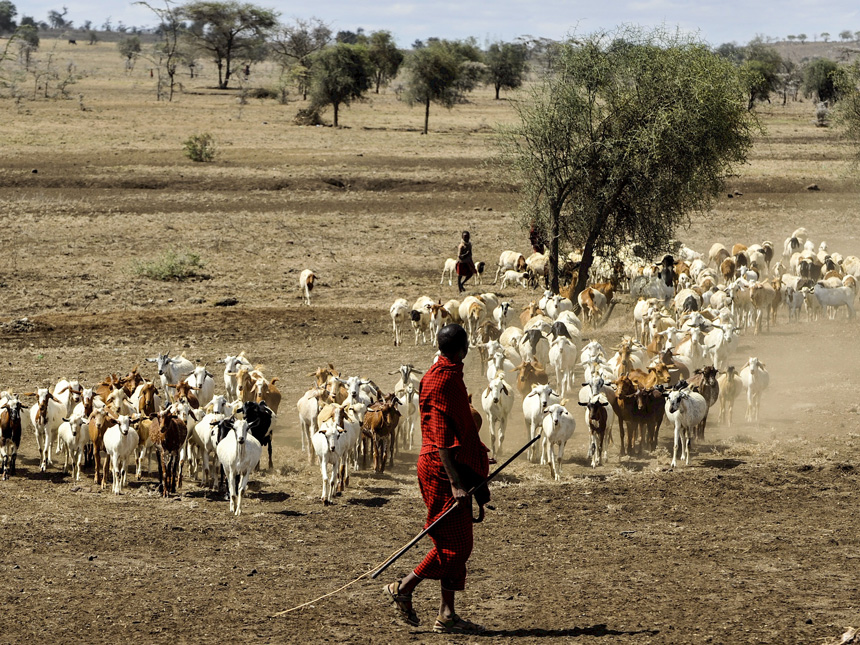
[{"x": 446, "y": 422}]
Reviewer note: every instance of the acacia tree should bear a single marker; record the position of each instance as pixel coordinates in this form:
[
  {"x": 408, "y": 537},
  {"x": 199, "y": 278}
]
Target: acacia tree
[
  {"x": 229, "y": 30},
  {"x": 847, "y": 110},
  {"x": 294, "y": 44},
  {"x": 7, "y": 16},
  {"x": 820, "y": 79},
  {"x": 620, "y": 144},
  {"x": 385, "y": 58},
  {"x": 339, "y": 74},
  {"x": 166, "y": 53},
  {"x": 506, "y": 65}
]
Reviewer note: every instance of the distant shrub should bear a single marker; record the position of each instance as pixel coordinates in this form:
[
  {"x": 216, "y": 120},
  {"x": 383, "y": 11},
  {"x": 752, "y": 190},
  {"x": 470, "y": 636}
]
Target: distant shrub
[
  {"x": 171, "y": 265},
  {"x": 263, "y": 93},
  {"x": 308, "y": 116},
  {"x": 200, "y": 147}
]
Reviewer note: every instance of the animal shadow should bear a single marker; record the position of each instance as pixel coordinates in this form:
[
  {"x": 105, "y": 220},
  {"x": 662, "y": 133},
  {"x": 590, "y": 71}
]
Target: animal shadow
[
  {"x": 376, "y": 490},
  {"x": 272, "y": 496},
  {"x": 373, "y": 502},
  {"x": 593, "y": 630},
  {"x": 722, "y": 464}
]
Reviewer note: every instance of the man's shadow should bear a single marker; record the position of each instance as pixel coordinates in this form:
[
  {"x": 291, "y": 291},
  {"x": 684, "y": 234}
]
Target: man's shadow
[{"x": 594, "y": 630}]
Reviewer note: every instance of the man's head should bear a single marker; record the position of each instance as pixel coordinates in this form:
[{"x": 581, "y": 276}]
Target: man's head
[
  {"x": 466, "y": 236},
  {"x": 453, "y": 342}
]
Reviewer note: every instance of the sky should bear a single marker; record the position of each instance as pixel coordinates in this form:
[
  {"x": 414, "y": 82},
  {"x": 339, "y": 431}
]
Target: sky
[{"x": 714, "y": 21}]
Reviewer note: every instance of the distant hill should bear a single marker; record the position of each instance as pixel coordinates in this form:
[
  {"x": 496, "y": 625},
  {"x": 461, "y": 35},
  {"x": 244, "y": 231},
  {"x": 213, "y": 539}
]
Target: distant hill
[{"x": 840, "y": 51}]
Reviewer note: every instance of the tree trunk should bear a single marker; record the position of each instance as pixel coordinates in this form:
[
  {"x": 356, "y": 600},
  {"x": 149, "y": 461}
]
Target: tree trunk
[
  {"x": 378, "y": 81},
  {"x": 587, "y": 261},
  {"x": 220, "y": 74},
  {"x": 336, "y": 106},
  {"x": 498, "y": 87},
  {"x": 426, "y": 114},
  {"x": 555, "y": 215}
]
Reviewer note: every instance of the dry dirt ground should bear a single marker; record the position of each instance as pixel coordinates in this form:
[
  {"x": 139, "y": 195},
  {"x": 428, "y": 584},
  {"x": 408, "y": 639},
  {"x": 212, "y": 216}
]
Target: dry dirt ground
[{"x": 755, "y": 542}]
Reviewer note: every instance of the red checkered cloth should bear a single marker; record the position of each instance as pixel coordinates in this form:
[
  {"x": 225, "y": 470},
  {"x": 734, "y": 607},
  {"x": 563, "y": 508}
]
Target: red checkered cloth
[{"x": 446, "y": 422}]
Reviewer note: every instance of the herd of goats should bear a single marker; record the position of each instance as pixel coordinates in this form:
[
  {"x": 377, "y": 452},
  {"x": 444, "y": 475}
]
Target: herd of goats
[{"x": 688, "y": 314}]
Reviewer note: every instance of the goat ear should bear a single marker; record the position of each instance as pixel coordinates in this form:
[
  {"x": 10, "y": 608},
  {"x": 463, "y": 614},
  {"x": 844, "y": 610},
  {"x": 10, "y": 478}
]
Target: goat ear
[{"x": 582, "y": 404}]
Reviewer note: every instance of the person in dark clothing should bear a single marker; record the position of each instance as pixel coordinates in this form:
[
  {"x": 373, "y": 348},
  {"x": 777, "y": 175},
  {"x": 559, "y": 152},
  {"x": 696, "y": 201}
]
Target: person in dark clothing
[
  {"x": 449, "y": 437},
  {"x": 465, "y": 265},
  {"x": 537, "y": 239}
]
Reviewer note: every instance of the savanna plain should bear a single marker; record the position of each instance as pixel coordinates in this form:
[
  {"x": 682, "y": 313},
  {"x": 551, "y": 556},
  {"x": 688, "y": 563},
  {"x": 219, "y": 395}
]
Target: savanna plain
[{"x": 755, "y": 541}]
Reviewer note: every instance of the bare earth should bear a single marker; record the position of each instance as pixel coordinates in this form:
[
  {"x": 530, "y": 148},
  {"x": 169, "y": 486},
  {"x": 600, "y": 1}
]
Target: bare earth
[{"x": 755, "y": 542}]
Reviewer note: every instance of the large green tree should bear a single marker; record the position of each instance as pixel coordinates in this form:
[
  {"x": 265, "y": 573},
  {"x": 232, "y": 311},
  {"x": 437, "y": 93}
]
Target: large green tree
[
  {"x": 339, "y": 75},
  {"x": 7, "y": 16},
  {"x": 385, "y": 58},
  {"x": 820, "y": 79},
  {"x": 848, "y": 108},
  {"x": 620, "y": 144},
  {"x": 506, "y": 65},
  {"x": 442, "y": 72},
  {"x": 229, "y": 31}
]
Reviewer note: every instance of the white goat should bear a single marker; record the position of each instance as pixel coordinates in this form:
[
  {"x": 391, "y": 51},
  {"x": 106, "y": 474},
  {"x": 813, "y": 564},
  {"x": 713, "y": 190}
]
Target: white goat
[
  {"x": 755, "y": 380},
  {"x": 120, "y": 442},
  {"x": 497, "y": 400},
  {"x": 306, "y": 284},
  {"x": 239, "y": 453},
  {"x": 46, "y": 415},
  {"x": 399, "y": 312},
  {"x": 685, "y": 410},
  {"x": 171, "y": 370},
  {"x": 534, "y": 404},
  {"x": 449, "y": 269},
  {"x": 71, "y": 435},
  {"x": 562, "y": 356},
  {"x": 203, "y": 383},
  {"x": 330, "y": 445},
  {"x": 558, "y": 426}
]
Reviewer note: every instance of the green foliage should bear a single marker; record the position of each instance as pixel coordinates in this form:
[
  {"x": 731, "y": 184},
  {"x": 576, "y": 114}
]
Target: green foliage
[
  {"x": 847, "y": 110},
  {"x": 200, "y": 147},
  {"x": 228, "y": 31},
  {"x": 506, "y": 65},
  {"x": 385, "y": 58},
  {"x": 170, "y": 266},
  {"x": 620, "y": 144},
  {"x": 820, "y": 80},
  {"x": 7, "y": 16},
  {"x": 129, "y": 47},
  {"x": 339, "y": 75},
  {"x": 439, "y": 73}
]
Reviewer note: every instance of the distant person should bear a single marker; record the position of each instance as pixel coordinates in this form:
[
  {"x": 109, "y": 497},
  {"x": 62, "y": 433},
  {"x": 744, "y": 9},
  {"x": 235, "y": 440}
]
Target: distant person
[
  {"x": 465, "y": 265},
  {"x": 537, "y": 239}
]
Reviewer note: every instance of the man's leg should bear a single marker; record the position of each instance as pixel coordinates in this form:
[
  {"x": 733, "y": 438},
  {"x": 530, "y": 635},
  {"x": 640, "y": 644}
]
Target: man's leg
[
  {"x": 409, "y": 582},
  {"x": 446, "y": 608}
]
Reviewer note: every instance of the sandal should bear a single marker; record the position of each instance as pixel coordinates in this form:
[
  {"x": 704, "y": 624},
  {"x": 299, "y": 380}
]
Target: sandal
[
  {"x": 457, "y": 625},
  {"x": 403, "y": 602}
]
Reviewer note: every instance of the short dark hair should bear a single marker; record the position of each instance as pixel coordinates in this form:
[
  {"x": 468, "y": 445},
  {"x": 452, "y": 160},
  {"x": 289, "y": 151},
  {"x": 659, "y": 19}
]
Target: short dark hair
[
  {"x": 466, "y": 233},
  {"x": 452, "y": 338}
]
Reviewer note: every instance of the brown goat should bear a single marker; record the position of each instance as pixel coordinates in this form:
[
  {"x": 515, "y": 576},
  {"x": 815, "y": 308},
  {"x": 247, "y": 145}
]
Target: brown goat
[
  {"x": 167, "y": 433},
  {"x": 379, "y": 427}
]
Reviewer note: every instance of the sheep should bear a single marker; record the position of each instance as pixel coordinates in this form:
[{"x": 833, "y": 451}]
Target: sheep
[
  {"x": 503, "y": 315},
  {"x": 534, "y": 404},
  {"x": 452, "y": 306},
  {"x": 717, "y": 254},
  {"x": 598, "y": 418},
  {"x": 449, "y": 269},
  {"x": 497, "y": 400},
  {"x": 120, "y": 441},
  {"x": 558, "y": 425},
  {"x": 473, "y": 312},
  {"x": 439, "y": 317},
  {"x": 833, "y": 298},
  {"x": 239, "y": 453},
  {"x": 685, "y": 410},
  {"x": 399, "y": 312},
  {"x": 515, "y": 277},
  {"x": 306, "y": 285},
  {"x": 72, "y": 434},
  {"x": 510, "y": 260},
  {"x": 420, "y": 317},
  {"x": 556, "y": 305},
  {"x": 755, "y": 379},
  {"x": 562, "y": 356}
]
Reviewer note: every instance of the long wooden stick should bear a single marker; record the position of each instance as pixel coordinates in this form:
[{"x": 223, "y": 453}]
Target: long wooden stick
[{"x": 418, "y": 537}]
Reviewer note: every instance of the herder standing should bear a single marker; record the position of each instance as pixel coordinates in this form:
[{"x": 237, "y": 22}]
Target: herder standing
[
  {"x": 465, "y": 265},
  {"x": 449, "y": 443}
]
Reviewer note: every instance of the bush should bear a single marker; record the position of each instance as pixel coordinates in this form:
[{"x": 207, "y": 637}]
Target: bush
[
  {"x": 170, "y": 266},
  {"x": 200, "y": 147},
  {"x": 263, "y": 93},
  {"x": 308, "y": 116}
]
